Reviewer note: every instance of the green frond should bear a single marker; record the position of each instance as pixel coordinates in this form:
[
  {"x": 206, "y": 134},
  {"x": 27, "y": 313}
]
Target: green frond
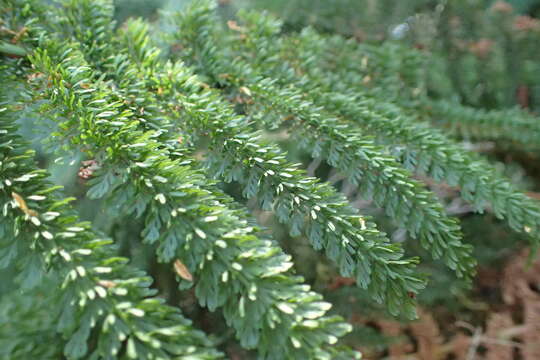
[
  {"x": 358, "y": 157},
  {"x": 182, "y": 213},
  {"x": 514, "y": 125},
  {"x": 98, "y": 293},
  {"x": 417, "y": 145},
  {"x": 186, "y": 121},
  {"x": 309, "y": 208}
]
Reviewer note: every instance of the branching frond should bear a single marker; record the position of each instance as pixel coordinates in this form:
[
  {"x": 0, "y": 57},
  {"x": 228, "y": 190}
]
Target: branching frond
[
  {"x": 344, "y": 147},
  {"x": 417, "y": 145},
  {"x": 190, "y": 221},
  {"x": 164, "y": 130},
  {"x": 306, "y": 206},
  {"x": 100, "y": 296}
]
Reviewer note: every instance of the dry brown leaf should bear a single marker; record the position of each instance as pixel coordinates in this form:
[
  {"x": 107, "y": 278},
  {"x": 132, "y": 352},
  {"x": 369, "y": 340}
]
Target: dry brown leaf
[
  {"x": 245, "y": 90},
  {"x": 519, "y": 282},
  {"x": 460, "y": 346},
  {"x": 428, "y": 337},
  {"x": 517, "y": 276},
  {"x": 496, "y": 323},
  {"x": 397, "y": 349},
  {"x": 531, "y": 337},
  {"x": 182, "y": 270},
  {"x": 233, "y": 25},
  {"x": 22, "y": 204},
  {"x": 339, "y": 282},
  {"x": 489, "y": 277},
  {"x": 107, "y": 283}
]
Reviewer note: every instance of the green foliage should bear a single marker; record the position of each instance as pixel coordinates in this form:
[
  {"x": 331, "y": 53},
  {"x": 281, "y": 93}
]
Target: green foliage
[
  {"x": 482, "y": 52},
  {"x": 513, "y": 125},
  {"x": 178, "y": 133},
  {"x": 96, "y": 290}
]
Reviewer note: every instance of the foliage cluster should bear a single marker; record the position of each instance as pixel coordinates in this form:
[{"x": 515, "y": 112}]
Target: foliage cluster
[{"x": 183, "y": 137}]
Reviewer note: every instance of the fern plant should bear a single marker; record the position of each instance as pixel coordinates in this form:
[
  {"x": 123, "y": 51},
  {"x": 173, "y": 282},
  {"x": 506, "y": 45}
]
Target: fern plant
[{"x": 161, "y": 124}]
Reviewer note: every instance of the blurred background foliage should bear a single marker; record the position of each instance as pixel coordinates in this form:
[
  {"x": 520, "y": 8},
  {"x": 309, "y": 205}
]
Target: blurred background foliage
[{"x": 482, "y": 53}]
